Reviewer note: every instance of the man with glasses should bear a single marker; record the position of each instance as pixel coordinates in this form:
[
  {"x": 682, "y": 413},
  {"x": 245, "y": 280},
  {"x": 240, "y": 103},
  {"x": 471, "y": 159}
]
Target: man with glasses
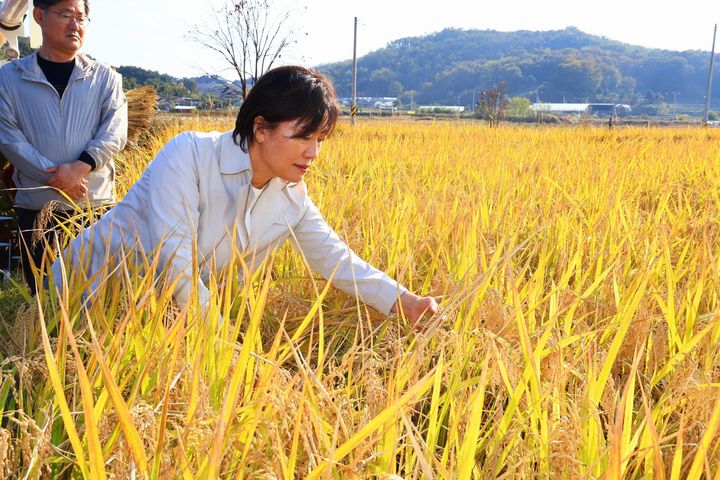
[{"x": 63, "y": 116}]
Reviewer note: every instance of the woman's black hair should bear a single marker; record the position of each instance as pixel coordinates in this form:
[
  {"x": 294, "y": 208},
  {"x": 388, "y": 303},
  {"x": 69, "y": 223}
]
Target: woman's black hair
[
  {"x": 288, "y": 93},
  {"x": 45, "y": 4}
]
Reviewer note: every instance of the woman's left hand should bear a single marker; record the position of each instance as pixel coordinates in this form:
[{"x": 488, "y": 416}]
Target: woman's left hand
[{"x": 415, "y": 306}]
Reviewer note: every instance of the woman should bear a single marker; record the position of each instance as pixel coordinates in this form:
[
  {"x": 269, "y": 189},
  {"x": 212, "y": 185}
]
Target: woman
[{"x": 210, "y": 193}]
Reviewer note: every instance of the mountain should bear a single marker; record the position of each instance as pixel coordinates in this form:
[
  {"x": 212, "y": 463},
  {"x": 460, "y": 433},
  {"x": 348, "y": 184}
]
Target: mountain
[
  {"x": 165, "y": 85},
  {"x": 169, "y": 86},
  {"x": 450, "y": 66}
]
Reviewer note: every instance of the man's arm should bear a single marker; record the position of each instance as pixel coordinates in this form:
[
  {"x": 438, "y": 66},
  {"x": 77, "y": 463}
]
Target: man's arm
[
  {"x": 111, "y": 134},
  {"x": 16, "y": 147}
]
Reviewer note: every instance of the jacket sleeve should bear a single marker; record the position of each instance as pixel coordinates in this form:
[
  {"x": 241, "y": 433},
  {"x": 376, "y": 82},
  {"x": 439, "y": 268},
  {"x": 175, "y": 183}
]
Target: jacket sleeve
[
  {"x": 112, "y": 132},
  {"x": 325, "y": 252},
  {"x": 173, "y": 216},
  {"x": 15, "y": 146}
]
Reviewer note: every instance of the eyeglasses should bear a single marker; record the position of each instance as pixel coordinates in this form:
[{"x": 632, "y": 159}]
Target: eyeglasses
[{"x": 67, "y": 17}]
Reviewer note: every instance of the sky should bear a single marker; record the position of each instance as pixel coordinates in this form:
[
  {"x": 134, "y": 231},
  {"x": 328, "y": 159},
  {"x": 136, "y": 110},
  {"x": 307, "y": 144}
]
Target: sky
[{"x": 153, "y": 34}]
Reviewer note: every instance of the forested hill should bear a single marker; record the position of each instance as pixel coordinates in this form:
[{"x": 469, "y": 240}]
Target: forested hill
[{"x": 570, "y": 65}]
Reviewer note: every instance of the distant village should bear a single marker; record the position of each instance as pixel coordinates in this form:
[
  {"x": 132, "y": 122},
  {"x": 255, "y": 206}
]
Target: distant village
[
  {"x": 391, "y": 106},
  {"x": 210, "y": 94}
]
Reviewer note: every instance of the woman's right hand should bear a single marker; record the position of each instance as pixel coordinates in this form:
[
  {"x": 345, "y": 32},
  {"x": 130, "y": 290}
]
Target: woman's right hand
[{"x": 415, "y": 306}]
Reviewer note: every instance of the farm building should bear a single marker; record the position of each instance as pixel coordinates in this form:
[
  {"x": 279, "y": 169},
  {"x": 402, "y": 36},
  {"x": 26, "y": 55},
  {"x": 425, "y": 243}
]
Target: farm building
[
  {"x": 591, "y": 109},
  {"x": 440, "y": 109},
  {"x": 371, "y": 102},
  {"x": 184, "y": 108}
]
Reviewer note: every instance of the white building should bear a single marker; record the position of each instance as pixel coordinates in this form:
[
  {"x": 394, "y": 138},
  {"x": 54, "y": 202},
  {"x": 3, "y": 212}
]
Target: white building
[
  {"x": 592, "y": 109},
  {"x": 440, "y": 109}
]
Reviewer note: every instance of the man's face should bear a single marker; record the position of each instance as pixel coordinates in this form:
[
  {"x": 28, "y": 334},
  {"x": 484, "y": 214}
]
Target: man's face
[{"x": 63, "y": 28}]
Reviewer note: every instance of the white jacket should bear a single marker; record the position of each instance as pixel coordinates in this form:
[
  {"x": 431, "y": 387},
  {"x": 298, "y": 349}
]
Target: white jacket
[{"x": 195, "y": 191}]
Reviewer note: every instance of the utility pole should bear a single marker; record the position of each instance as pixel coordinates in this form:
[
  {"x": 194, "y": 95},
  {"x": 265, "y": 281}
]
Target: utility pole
[
  {"x": 709, "y": 82},
  {"x": 353, "y": 107}
]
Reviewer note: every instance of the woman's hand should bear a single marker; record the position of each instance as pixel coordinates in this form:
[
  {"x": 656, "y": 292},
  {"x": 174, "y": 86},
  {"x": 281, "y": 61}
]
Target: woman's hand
[{"x": 415, "y": 306}]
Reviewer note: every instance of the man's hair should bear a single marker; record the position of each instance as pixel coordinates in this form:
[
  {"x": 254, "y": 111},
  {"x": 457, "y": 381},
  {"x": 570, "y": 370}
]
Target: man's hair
[
  {"x": 45, "y": 4},
  {"x": 284, "y": 94}
]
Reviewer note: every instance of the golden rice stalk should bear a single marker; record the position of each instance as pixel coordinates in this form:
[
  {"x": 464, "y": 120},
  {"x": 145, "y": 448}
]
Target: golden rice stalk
[
  {"x": 375, "y": 425},
  {"x": 121, "y": 408},
  {"x": 701, "y": 459},
  {"x": 59, "y": 389},
  {"x": 621, "y": 441},
  {"x": 42, "y": 221},
  {"x": 94, "y": 448},
  {"x": 466, "y": 456}
]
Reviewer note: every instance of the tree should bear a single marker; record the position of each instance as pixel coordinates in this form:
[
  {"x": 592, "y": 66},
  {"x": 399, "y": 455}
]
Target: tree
[
  {"x": 248, "y": 35},
  {"x": 576, "y": 78},
  {"x": 380, "y": 79},
  {"x": 493, "y": 104},
  {"x": 190, "y": 84},
  {"x": 518, "y": 107},
  {"x": 395, "y": 89}
]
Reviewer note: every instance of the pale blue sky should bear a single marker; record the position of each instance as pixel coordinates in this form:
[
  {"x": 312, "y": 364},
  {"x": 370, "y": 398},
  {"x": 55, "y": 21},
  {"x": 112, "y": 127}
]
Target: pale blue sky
[{"x": 152, "y": 33}]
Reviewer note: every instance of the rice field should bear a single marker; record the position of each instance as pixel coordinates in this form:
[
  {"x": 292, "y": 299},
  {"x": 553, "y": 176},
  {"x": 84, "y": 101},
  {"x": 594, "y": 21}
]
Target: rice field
[{"x": 578, "y": 334}]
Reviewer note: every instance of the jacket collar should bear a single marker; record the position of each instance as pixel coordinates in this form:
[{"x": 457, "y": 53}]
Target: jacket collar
[
  {"x": 269, "y": 208},
  {"x": 234, "y": 160},
  {"x": 31, "y": 69},
  {"x": 274, "y": 199}
]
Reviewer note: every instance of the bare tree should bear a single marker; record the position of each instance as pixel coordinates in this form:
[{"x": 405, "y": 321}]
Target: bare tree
[
  {"x": 248, "y": 35},
  {"x": 493, "y": 104}
]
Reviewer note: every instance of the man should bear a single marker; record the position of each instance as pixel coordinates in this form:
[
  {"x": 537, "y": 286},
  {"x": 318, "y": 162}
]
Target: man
[{"x": 63, "y": 116}]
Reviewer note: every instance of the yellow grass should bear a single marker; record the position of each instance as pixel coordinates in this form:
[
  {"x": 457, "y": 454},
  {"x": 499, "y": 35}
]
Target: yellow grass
[{"x": 579, "y": 270}]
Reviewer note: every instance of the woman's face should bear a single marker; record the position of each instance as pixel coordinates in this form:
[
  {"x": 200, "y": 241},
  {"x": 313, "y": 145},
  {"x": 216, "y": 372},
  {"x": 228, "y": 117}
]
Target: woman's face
[{"x": 282, "y": 152}]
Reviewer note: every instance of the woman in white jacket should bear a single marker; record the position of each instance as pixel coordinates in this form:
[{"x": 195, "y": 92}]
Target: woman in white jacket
[{"x": 212, "y": 192}]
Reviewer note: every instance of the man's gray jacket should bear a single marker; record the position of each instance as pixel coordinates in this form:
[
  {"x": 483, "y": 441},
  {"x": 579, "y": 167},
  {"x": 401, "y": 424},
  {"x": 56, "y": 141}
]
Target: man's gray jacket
[{"x": 39, "y": 129}]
